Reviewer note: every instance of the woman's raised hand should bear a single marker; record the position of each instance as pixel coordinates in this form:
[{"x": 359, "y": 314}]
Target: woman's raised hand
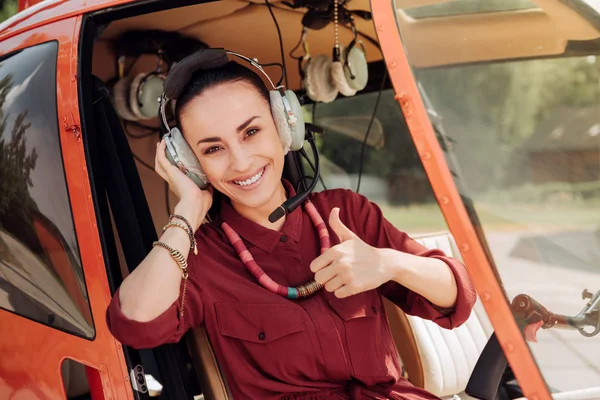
[
  {"x": 352, "y": 266},
  {"x": 193, "y": 203}
]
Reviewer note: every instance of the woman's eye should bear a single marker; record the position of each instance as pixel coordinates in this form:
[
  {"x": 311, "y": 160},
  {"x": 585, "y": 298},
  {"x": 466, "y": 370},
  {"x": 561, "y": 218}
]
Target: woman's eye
[
  {"x": 251, "y": 132},
  {"x": 211, "y": 150}
]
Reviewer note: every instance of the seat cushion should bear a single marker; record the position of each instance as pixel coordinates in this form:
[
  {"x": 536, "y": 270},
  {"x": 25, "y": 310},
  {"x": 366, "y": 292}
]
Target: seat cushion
[{"x": 448, "y": 357}]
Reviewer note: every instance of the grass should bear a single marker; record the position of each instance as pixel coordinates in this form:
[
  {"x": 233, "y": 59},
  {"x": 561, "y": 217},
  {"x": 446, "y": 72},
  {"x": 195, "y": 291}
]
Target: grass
[{"x": 428, "y": 217}]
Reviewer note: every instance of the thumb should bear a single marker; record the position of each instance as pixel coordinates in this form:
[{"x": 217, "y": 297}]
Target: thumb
[{"x": 338, "y": 227}]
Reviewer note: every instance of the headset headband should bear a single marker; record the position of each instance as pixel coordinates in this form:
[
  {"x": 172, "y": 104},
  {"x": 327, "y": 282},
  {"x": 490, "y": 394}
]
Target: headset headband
[{"x": 204, "y": 59}]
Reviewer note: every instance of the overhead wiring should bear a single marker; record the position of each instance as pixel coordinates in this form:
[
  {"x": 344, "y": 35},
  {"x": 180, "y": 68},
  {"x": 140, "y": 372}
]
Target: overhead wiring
[
  {"x": 364, "y": 143},
  {"x": 280, "y": 42}
]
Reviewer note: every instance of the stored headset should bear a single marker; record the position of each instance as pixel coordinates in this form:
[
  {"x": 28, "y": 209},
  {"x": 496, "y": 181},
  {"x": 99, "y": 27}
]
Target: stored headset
[
  {"x": 138, "y": 98},
  {"x": 285, "y": 109},
  {"x": 347, "y": 73}
]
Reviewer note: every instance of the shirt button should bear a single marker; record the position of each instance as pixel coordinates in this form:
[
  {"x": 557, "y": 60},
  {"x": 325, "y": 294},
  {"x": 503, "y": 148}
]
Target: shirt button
[
  {"x": 283, "y": 238},
  {"x": 374, "y": 309},
  {"x": 261, "y": 336}
]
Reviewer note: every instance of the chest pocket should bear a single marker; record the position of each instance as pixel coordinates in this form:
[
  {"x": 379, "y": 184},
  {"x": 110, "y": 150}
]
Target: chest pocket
[
  {"x": 365, "y": 332},
  {"x": 276, "y": 338}
]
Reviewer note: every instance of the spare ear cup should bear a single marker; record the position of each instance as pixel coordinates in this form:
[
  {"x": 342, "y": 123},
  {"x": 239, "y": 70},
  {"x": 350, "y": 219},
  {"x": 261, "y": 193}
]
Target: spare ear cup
[
  {"x": 148, "y": 95},
  {"x": 133, "y": 92},
  {"x": 292, "y": 137},
  {"x": 318, "y": 77},
  {"x": 181, "y": 155},
  {"x": 337, "y": 73},
  {"x": 120, "y": 99},
  {"x": 357, "y": 70}
]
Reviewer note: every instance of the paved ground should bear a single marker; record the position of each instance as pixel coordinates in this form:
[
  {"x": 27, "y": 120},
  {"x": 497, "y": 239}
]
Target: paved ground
[{"x": 554, "y": 269}]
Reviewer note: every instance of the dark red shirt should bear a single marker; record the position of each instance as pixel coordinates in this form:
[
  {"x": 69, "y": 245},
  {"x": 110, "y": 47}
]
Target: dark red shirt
[{"x": 270, "y": 347}]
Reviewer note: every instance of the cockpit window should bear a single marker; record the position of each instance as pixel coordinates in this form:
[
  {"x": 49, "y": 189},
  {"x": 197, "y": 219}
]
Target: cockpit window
[
  {"x": 41, "y": 275},
  {"x": 461, "y": 7}
]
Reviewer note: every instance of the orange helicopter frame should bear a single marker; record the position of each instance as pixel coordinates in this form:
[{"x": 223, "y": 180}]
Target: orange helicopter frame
[{"x": 32, "y": 353}]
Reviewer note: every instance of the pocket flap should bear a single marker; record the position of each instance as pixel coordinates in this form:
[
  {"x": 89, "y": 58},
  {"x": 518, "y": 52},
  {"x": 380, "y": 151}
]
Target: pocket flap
[
  {"x": 365, "y": 304},
  {"x": 257, "y": 322}
]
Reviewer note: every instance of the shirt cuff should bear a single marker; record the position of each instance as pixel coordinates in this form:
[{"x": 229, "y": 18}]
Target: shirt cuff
[
  {"x": 451, "y": 317},
  {"x": 165, "y": 328}
]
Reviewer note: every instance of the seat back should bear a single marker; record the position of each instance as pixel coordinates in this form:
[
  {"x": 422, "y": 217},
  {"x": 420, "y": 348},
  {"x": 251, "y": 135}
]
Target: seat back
[
  {"x": 212, "y": 380},
  {"x": 438, "y": 359}
]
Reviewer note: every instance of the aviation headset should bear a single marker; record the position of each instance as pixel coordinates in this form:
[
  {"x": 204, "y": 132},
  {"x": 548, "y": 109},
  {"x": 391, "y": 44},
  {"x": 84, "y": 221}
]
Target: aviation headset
[
  {"x": 138, "y": 98},
  {"x": 285, "y": 108},
  {"x": 347, "y": 73}
]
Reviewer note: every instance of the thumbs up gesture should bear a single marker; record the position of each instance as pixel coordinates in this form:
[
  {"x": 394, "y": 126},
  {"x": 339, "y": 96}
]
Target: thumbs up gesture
[{"x": 352, "y": 266}]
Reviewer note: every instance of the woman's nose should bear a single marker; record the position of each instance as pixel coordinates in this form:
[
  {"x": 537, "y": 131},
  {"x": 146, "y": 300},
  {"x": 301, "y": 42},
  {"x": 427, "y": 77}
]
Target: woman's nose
[{"x": 241, "y": 159}]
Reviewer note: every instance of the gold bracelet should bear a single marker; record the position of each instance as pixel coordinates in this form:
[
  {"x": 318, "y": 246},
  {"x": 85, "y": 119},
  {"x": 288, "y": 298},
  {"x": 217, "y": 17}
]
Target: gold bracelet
[
  {"x": 176, "y": 255},
  {"x": 182, "y": 263},
  {"x": 193, "y": 244},
  {"x": 190, "y": 231}
]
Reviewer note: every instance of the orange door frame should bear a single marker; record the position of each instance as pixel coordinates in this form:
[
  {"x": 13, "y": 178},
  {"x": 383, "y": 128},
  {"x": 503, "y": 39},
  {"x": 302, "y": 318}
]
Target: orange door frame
[
  {"x": 446, "y": 193},
  {"x": 32, "y": 353}
]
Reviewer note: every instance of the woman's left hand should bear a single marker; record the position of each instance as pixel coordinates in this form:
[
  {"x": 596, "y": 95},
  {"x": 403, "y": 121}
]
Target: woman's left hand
[{"x": 352, "y": 266}]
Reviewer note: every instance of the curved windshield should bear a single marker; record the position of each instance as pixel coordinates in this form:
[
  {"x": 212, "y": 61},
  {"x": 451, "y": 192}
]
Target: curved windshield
[{"x": 518, "y": 115}]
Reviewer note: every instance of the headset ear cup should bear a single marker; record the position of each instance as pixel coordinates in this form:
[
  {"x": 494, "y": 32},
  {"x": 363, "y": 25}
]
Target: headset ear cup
[
  {"x": 133, "y": 96},
  {"x": 359, "y": 67},
  {"x": 120, "y": 99},
  {"x": 319, "y": 78},
  {"x": 337, "y": 73},
  {"x": 292, "y": 137},
  {"x": 148, "y": 96},
  {"x": 298, "y": 133},
  {"x": 279, "y": 117},
  {"x": 187, "y": 157}
]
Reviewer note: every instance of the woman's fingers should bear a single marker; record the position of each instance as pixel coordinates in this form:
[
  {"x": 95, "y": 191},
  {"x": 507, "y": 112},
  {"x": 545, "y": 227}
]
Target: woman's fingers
[
  {"x": 334, "y": 284},
  {"x": 325, "y": 274}
]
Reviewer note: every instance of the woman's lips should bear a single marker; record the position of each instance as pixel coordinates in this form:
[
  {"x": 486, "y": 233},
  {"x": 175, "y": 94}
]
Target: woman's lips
[{"x": 249, "y": 184}]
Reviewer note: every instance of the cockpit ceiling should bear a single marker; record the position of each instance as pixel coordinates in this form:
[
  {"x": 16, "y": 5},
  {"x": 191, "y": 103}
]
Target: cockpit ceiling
[{"x": 246, "y": 26}]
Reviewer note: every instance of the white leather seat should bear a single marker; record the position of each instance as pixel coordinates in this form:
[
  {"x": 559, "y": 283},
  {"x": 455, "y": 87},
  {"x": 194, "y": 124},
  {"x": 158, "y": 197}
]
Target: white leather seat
[{"x": 448, "y": 357}]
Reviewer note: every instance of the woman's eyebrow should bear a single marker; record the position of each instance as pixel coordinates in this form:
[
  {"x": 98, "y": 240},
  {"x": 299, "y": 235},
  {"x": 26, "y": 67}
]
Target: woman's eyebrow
[
  {"x": 239, "y": 129},
  {"x": 245, "y": 124},
  {"x": 209, "y": 139}
]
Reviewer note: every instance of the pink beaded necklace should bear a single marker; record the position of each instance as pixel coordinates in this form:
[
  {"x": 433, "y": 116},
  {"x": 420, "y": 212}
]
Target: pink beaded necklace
[{"x": 290, "y": 292}]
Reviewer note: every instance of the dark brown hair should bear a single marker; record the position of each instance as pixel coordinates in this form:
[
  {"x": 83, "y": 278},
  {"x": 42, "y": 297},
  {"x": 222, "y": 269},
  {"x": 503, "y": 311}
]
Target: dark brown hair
[{"x": 206, "y": 79}]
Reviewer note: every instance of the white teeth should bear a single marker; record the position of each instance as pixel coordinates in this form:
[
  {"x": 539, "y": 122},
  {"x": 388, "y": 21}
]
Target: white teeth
[{"x": 252, "y": 180}]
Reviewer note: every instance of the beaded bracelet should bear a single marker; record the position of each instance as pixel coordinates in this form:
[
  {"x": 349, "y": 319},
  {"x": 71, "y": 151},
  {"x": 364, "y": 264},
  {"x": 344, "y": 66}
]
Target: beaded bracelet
[
  {"x": 190, "y": 230},
  {"x": 182, "y": 264},
  {"x": 193, "y": 244}
]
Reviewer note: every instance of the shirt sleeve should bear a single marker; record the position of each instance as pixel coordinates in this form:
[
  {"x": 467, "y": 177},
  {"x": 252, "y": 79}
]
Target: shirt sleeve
[
  {"x": 168, "y": 327},
  {"x": 370, "y": 224}
]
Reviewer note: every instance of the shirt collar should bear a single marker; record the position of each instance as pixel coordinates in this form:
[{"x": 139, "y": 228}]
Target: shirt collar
[{"x": 259, "y": 236}]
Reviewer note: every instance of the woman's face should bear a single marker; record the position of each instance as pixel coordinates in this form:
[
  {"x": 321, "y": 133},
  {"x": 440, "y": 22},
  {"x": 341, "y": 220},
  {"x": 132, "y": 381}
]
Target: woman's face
[{"x": 232, "y": 132}]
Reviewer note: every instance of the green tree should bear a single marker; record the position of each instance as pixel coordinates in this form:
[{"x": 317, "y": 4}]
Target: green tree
[{"x": 8, "y": 8}]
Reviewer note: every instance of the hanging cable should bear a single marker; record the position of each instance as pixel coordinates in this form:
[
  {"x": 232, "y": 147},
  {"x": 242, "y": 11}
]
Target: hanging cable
[
  {"x": 364, "y": 143},
  {"x": 280, "y": 43},
  {"x": 312, "y": 166}
]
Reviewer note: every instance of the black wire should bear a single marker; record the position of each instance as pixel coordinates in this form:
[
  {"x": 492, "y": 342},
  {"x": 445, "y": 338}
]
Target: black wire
[
  {"x": 149, "y": 131},
  {"x": 280, "y": 43},
  {"x": 312, "y": 166},
  {"x": 302, "y": 179},
  {"x": 144, "y": 163},
  {"x": 167, "y": 202},
  {"x": 291, "y": 53},
  {"x": 364, "y": 143}
]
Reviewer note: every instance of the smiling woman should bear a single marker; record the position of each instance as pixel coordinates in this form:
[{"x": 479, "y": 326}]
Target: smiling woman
[
  {"x": 293, "y": 307},
  {"x": 237, "y": 142}
]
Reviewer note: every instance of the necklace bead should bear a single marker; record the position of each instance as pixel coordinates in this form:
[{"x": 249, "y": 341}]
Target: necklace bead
[{"x": 299, "y": 292}]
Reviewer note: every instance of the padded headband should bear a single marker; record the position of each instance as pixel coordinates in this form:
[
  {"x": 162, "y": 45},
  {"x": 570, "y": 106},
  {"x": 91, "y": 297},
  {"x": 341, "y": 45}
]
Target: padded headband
[{"x": 182, "y": 72}]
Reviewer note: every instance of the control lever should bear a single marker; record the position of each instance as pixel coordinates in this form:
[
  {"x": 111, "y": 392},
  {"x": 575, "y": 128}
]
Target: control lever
[{"x": 530, "y": 312}]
